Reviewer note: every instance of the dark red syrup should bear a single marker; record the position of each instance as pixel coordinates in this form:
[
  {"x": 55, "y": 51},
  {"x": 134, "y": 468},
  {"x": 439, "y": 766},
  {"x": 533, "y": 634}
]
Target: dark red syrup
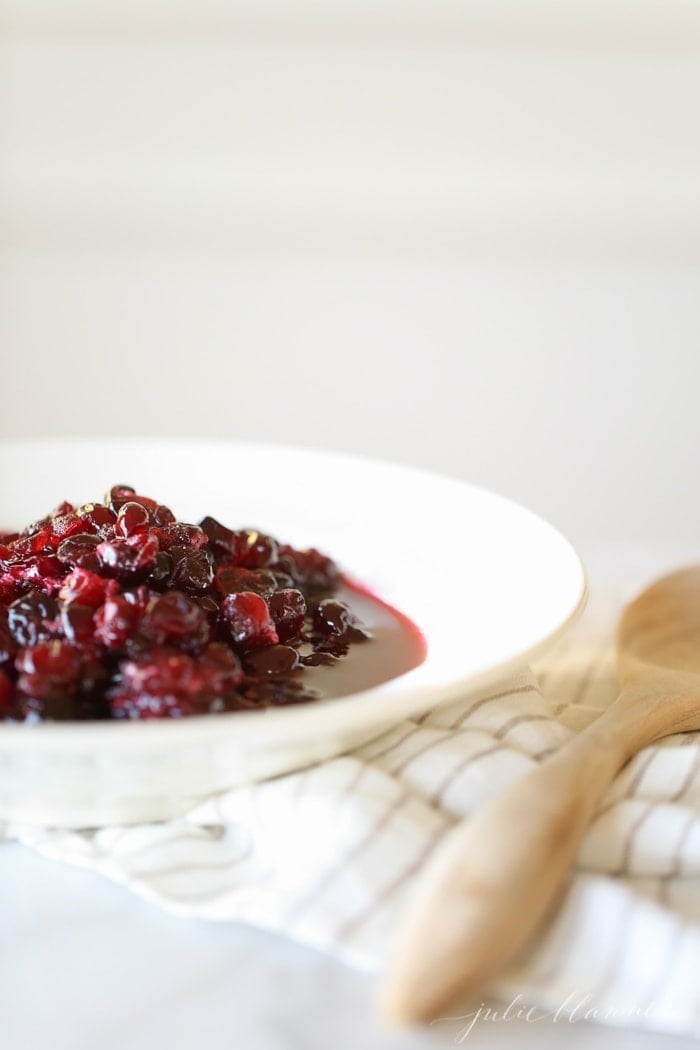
[{"x": 396, "y": 646}]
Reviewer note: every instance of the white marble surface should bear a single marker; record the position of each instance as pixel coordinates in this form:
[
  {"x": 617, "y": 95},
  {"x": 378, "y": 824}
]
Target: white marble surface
[{"x": 85, "y": 966}]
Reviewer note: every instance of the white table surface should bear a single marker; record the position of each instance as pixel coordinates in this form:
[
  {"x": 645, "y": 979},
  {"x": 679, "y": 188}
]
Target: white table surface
[{"x": 84, "y": 965}]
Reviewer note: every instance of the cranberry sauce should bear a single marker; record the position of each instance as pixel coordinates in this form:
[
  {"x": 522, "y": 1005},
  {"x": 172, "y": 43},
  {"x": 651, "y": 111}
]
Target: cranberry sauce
[{"x": 118, "y": 610}]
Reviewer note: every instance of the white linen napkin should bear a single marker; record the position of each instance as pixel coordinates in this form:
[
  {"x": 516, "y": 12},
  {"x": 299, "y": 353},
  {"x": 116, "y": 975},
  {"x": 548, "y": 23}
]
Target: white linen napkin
[{"x": 325, "y": 855}]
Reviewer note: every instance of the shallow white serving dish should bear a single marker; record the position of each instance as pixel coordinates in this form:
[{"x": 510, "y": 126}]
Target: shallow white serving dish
[{"x": 489, "y": 584}]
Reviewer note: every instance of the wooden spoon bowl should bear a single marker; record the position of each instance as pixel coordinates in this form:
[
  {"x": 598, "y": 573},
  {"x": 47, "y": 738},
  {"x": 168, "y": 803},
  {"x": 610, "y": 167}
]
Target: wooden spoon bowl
[{"x": 498, "y": 875}]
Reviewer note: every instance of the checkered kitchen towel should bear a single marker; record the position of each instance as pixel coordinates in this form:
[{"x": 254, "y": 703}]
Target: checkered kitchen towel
[{"x": 326, "y": 855}]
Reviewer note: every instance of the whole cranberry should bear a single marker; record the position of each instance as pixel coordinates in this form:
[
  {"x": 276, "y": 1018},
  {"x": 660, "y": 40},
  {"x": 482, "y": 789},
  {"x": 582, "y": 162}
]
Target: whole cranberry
[
  {"x": 180, "y": 534},
  {"x": 175, "y": 619},
  {"x": 84, "y": 587},
  {"x": 61, "y": 509},
  {"x": 54, "y": 658},
  {"x": 63, "y": 526},
  {"x": 139, "y": 597},
  {"x": 335, "y": 619},
  {"x": 32, "y": 618},
  {"x": 77, "y": 623},
  {"x": 102, "y": 519},
  {"x": 288, "y": 610},
  {"x": 130, "y": 559},
  {"x": 33, "y": 542},
  {"x": 193, "y": 570},
  {"x": 310, "y": 570},
  {"x": 165, "y": 683},
  {"x": 253, "y": 549},
  {"x": 42, "y": 571},
  {"x": 221, "y": 539},
  {"x": 231, "y": 579},
  {"x": 163, "y": 515},
  {"x": 115, "y": 622},
  {"x": 159, "y": 577},
  {"x": 247, "y": 619},
  {"x": 117, "y": 495},
  {"x": 48, "y": 670},
  {"x": 80, "y": 550},
  {"x": 132, "y": 519}
]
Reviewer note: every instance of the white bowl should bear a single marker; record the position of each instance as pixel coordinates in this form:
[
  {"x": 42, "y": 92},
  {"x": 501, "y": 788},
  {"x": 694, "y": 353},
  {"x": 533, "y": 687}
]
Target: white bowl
[{"x": 489, "y": 584}]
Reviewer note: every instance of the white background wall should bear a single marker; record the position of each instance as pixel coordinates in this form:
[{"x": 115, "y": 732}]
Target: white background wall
[{"x": 464, "y": 235}]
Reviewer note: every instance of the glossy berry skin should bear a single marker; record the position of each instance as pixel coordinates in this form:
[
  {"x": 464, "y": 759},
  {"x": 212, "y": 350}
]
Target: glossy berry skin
[{"x": 247, "y": 620}]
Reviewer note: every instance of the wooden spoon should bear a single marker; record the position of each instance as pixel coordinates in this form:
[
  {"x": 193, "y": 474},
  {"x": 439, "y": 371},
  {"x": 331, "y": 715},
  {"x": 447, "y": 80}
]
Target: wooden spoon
[{"x": 498, "y": 875}]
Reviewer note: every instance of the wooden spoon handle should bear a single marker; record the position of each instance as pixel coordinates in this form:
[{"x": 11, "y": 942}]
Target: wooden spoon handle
[{"x": 496, "y": 875}]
